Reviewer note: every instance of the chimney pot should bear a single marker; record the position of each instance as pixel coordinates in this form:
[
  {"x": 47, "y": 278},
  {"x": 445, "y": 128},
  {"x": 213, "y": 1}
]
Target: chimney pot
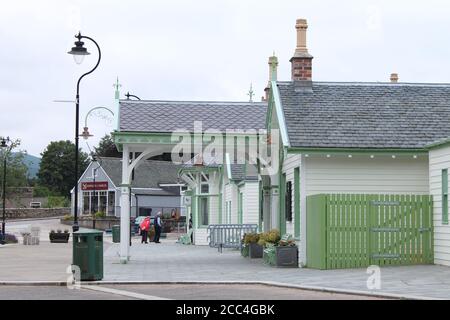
[
  {"x": 273, "y": 68},
  {"x": 394, "y": 77}
]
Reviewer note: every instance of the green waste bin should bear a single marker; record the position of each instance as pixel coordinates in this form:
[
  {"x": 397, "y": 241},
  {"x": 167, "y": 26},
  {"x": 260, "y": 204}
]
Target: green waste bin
[
  {"x": 116, "y": 234},
  {"x": 88, "y": 254}
]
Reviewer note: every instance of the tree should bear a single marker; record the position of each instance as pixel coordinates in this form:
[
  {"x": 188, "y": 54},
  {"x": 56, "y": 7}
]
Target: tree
[
  {"x": 16, "y": 170},
  {"x": 57, "y": 168},
  {"x": 107, "y": 148}
]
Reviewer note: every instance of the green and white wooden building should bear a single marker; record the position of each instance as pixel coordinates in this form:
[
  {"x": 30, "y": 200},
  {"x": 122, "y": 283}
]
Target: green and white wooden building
[{"x": 359, "y": 171}]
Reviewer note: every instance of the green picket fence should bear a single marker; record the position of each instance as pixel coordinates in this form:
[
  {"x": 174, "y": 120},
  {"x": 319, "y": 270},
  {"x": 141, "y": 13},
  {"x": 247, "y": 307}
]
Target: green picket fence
[{"x": 358, "y": 230}]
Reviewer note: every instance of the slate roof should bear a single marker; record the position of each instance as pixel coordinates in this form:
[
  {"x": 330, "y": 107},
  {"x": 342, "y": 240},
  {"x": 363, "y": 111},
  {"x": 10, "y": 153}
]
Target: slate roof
[
  {"x": 167, "y": 116},
  {"x": 149, "y": 174},
  {"x": 238, "y": 173},
  {"x": 237, "y": 170},
  {"x": 366, "y": 115}
]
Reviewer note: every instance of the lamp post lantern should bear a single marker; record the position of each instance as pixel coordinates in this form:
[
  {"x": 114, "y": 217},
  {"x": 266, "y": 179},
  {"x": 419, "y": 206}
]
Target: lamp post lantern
[
  {"x": 5, "y": 144},
  {"x": 79, "y": 52}
]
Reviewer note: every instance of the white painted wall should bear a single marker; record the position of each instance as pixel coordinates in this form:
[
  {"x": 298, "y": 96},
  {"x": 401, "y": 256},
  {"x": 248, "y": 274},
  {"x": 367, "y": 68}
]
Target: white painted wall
[
  {"x": 439, "y": 160},
  {"x": 251, "y": 203},
  {"x": 361, "y": 174},
  {"x": 201, "y": 237}
]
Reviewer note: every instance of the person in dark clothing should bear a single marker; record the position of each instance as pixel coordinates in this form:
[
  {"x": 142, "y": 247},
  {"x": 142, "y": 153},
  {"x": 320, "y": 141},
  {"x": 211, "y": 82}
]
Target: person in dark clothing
[
  {"x": 158, "y": 227},
  {"x": 190, "y": 228}
]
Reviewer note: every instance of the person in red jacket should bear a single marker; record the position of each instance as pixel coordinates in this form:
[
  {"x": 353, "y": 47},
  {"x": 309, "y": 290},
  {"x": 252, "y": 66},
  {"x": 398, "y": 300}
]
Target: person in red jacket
[{"x": 145, "y": 227}]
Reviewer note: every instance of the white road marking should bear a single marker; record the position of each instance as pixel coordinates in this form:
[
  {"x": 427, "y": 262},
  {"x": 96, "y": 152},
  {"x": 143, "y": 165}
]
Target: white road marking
[{"x": 122, "y": 293}]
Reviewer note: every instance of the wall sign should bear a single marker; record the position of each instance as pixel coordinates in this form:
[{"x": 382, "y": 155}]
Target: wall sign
[{"x": 99, "y": 185}]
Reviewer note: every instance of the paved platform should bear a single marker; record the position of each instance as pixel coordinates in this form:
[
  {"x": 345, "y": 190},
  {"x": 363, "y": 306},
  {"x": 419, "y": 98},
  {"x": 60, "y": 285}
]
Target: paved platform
[
  {"x": 171, "y": 262},
  {"x": 178, "y": 263}
]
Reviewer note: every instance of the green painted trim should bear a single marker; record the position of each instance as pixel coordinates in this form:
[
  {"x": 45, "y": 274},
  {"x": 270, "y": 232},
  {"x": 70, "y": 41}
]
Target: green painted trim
[
  {"x": 194, "y": 211},
  {"x": 220, "y": 194},
  {"x": 297, "y": 202},
  {"x": 261, "y": 206},
  {"x": 282, "y": 203},
  {"x": 199, "y": 225},
  {"x": 220, "y": 209},
  {"x": 444, "y": 196},
  {"x": 355, "y": 151},
  {"x": 280, "y": 113},
  {"x": 240, "y": 207},
  {"x": 438, "y": 144}
]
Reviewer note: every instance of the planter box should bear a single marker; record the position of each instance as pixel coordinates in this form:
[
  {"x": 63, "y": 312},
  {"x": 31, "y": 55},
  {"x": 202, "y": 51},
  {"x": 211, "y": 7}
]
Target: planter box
[
  {"x": 255, "y": 251},
  {"x": 59, "y": 237},
  {"x": 286, "y": 257}
]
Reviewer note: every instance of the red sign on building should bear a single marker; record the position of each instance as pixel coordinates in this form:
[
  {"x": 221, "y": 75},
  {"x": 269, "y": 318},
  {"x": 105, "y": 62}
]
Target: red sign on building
[{"x": 99, "y": 185}]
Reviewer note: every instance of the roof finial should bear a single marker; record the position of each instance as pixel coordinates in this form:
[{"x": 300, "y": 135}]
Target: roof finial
[
  {"x": 116, "y": 86},
  {"x": 251, "y": 93}
]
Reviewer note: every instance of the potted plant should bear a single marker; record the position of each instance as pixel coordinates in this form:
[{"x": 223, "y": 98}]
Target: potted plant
[
  {"x": 279, "y": 251},
  {"x": 255, "y": 250},
  {"x": 268, "y": 240},
  {"x": 59, "y": 236},
  {"x": 287, "y": 252}
]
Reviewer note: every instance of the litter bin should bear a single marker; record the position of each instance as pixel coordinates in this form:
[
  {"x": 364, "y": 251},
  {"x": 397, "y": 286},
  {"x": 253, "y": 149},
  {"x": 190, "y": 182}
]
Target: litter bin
[
  {"x": 116, "y": 234},
  {"x": 88, "y": 254}
]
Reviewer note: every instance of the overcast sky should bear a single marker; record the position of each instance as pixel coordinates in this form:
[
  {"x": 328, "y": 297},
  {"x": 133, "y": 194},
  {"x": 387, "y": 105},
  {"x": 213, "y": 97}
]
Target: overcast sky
[{"x": 199, "y": 50}]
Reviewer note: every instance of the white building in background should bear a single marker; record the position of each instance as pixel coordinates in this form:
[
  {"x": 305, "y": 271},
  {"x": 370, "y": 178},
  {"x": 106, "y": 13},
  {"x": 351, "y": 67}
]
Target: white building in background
[{"x": 154, "y": 188}]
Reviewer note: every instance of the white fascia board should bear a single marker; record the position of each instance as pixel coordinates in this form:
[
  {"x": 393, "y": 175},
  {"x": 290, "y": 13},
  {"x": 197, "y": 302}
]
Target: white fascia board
[{"x": 280, "y": 114}]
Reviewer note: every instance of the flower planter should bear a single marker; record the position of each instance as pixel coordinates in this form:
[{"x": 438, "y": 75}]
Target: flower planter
[
  {"x": 59, "y": 237},
  {"x": 286, "y": 257},
  {"x": 255, "y": 251}
]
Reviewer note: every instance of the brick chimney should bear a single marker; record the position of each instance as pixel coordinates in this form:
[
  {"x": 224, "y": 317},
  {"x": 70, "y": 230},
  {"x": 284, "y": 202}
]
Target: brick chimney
[
  {"x": 302, "y": 60},
  {"x": 394, "y": 77},
  {"x": 273, "y": 74}
]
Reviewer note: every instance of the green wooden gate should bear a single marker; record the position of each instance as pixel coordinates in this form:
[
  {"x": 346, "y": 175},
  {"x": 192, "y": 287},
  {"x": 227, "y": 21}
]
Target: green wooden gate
[{"x": 358, "y": 230}]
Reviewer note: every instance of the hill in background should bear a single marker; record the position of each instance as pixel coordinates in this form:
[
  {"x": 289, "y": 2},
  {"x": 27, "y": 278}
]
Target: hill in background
[{"x": 33, "y": 163}]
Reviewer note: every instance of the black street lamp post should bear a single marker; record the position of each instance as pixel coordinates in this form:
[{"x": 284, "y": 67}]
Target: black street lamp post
[
  {"x": 6, "y": 144},
  {"x": 78, "y": 52},
  {"x": 95, "y": 206}
]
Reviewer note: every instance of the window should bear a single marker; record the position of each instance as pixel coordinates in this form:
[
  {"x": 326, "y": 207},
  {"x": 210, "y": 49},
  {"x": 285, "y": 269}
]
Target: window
[
  {"x": 86, "y": 202},
  {"x": 103, "y": 200},
  {"x": 94, "y": 202},
  {"x": 288, "y": 201},
  {"x": 204, "y": 183},
  {"x": 445, "y": 196},
  {"x": 204, "y": 211},
  {"x": 111, "y": 203}
]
